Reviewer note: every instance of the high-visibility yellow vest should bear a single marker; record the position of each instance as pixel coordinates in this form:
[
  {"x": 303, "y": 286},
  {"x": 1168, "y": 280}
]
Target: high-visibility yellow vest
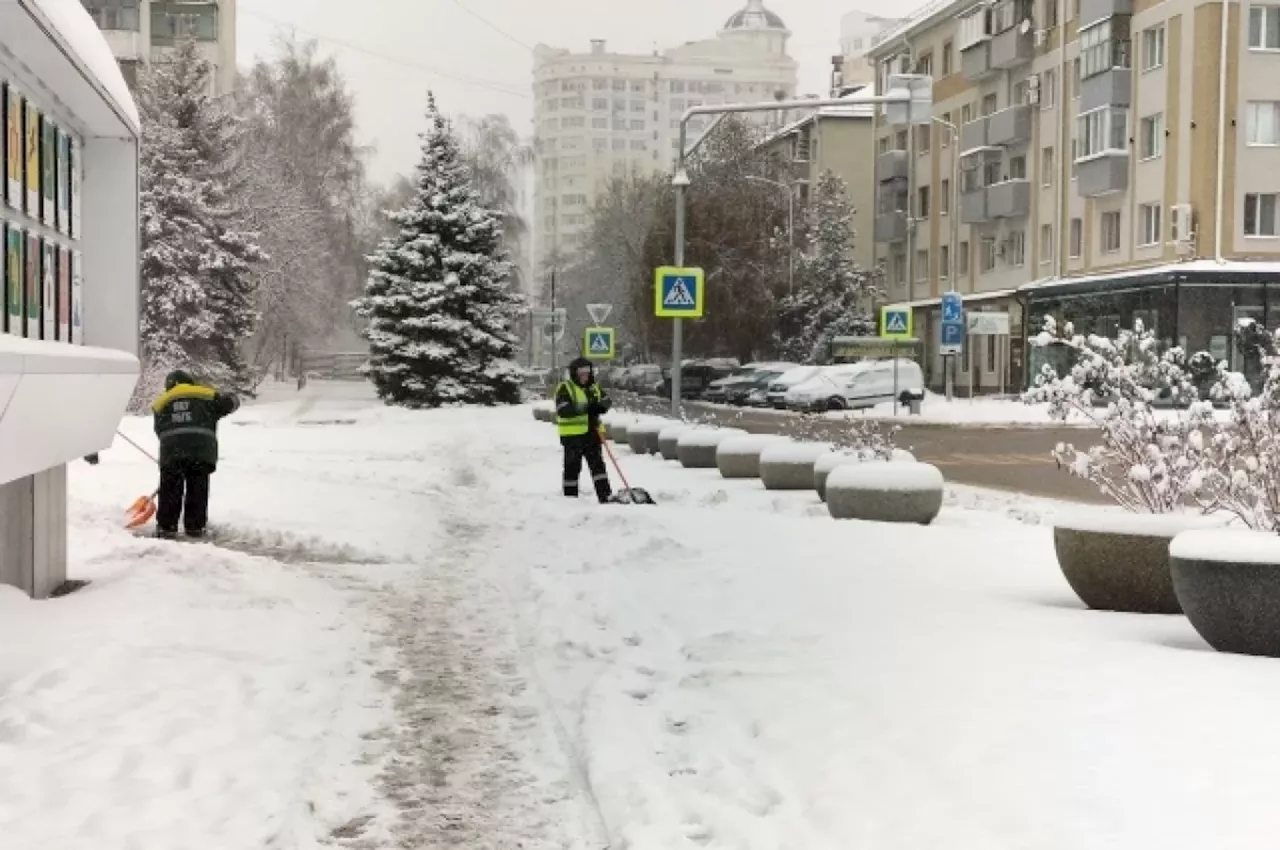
[{"x": 575, "y": 426}]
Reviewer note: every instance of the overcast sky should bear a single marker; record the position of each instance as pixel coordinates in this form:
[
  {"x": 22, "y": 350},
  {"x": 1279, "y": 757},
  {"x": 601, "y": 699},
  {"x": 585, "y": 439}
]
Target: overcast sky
[{"x": 391, "y": 56}]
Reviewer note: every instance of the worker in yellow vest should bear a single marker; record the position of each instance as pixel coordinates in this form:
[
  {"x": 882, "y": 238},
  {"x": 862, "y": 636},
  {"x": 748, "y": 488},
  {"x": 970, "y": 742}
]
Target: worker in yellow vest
[{"x": 580, "y": 402}]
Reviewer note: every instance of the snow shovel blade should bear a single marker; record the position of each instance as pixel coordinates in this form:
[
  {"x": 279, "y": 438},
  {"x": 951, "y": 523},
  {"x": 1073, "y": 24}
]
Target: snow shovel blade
[
  {"x": 632, "y": 496},
  {"x": 140, "y": 512}
]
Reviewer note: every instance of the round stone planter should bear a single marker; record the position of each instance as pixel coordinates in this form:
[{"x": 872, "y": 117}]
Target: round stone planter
[
  {"x": 885, "y": 492},
  {"x": 617, "y": 431},
  {"x": 544, "y": 412},
  {"x": 696, "y": 447},
  {"x": 828, "y": 461},
  {"x": 1228, "y": 583},
  {"x": 669, "y": 440},
  {"x": 739, "y": 457},
  {"x": 789, "y": 466},
  {"x": 643, "y": 435},
  {"x": 1118, "y": 561}
]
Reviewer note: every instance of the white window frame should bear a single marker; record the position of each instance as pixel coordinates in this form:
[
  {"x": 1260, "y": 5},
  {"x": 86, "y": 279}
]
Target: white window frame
[
  {"x": 1046, "y": 244},
  {"x": 1105, "y": 245},
  {"x": 1153, "y": 42},
  {"x": 974, "y": 28},
  {"x": 1102, "y": 131},
  {"x": 1264, "y": 16},
  {"x": 1150, "y": 225},
  {"x": 1049, "y": 88},
  {"x": 987, "y": 247},
  {"x": 1016, "y": 255},
  {"x": 922, "y": 265},
  {"x": 1048, "y": 166},
  {"x": 1259, "y": 201},
  {"x": 1075, "y": 240},
  {"x": 1151, "y": 130},
  {"x": 1262, "y": 115}
]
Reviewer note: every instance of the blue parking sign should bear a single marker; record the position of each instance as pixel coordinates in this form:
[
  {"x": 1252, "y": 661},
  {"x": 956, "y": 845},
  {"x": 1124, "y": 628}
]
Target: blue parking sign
[{"x": 952, "y": 307}]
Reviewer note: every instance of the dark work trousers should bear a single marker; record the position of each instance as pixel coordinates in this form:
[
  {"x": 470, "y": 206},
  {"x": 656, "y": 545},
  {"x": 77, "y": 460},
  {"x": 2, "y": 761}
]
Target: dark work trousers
[
  {"x": 184, "y": 493},
  {"x": 578, "y": 449}
]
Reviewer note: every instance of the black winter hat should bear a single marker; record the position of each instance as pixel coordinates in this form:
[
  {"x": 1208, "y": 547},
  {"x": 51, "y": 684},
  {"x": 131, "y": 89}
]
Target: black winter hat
[
  {"x": 177, "y": 376},
  {"x": 579, "y": 362}
]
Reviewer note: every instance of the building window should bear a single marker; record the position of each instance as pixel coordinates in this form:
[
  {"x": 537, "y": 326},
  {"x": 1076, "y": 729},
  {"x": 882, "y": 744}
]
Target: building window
[
  {"x": 900, "y": 141},
  {"x": 1102, "y": 130},
  {"x": 171, "y": 21},
  {"x": 1019, "y": 96},
  {"x": 619, "y": 144},
  {"x": 989, "y": 104},
  {"x": 1075, "y": 244},
  {"x": 975, "y": 28},
  {"x": 1050, "y": 13},
  {"x": 637, "y": 106},
  {"x": 944, "y": 197},
  {"x": 1046, "y": 243},
  {"x": 898, "y": 268},
  {"x": 988, "y": 253},
  {"x": 990, "y": 344},
  {"x": 1017, "y": 167},
  {"x": 882, "y": 145},
  {"x": 119, "y": 15},
  {"x": 1148, "y": 224},
  {"x": 922, "y": 202},
  {"x": 599, "y": 84},
  {"x": 962, "y": 259},
  {"x": 923, "y": 139},
  {"x": 966, "y": 113},
  {"x": 1262, "y": 122},
  {"x": 1075, "y": 75},
  {"x": 944, "y": 261},
  {"x": 1104, "y": 46},
  {"x": 600, "y": 104},
  {"x": 1048, "y": 88},
  {"x": 1046, "y": 167},
  {"x": 1017, "y": 248},
  {"x": 1110, "y": 232},
  {"x": 924, "y": 65},
  {"x": 599, "y": 123},
  {"x": 922, "y": 265},
  {"x": 946, "y": 137},
  {"x": 1260, "y": 215},
  {"x": 1264, "y": 28},
  {"x": 948, "y": 51},
  {"x": 638, "y": 145},
  {"x": 1153, "y": 48},
  {"x": 1151, "y": 136},
  {"x": 638, "y": 125}
]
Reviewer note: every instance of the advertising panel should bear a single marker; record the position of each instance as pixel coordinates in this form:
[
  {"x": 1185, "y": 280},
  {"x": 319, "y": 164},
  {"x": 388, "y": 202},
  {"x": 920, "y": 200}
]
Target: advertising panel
[
  {"x": 64, "y": 183},
  {"x": 32, "y": 329},
  {"x": 76, "y": 171},
  {"x": 77, "y": 294},
  {"x": 49, "y": 291},
  {"x": 49, "y": 172},
  {"x": 13, "y": 148},
  {"x": 33, "y": 161},
  {"x": 13, "y": 280},
  {"x": 64, "y": 294}
]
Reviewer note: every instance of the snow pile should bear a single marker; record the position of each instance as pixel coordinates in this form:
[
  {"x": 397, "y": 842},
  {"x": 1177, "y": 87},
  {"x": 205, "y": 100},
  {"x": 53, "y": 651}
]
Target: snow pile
[
  {"x": 794, "y": 453},
  {"x": 1136, "y": 525},
  {"x": 708, "y": 436},
  {"x": 749, "y": 444},
  {"x": 890, "y": 477},
  {"x": 1229, "y": 546}
]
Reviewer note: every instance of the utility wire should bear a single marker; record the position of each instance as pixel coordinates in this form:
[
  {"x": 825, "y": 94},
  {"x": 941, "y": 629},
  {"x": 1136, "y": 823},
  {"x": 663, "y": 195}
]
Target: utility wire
[
  {"x": 478, "y": 82},
  {"x": 490, "y": 24}
]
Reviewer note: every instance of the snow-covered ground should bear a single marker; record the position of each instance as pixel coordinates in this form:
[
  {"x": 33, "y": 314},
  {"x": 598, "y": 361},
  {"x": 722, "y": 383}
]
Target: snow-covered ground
[{"x": 408, "y": 636}]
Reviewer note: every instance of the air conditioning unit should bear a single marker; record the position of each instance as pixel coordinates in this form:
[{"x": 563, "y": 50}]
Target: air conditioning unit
[
  {"x": 1041, "y": 37},
  {"x": 1181, "y": 223}
]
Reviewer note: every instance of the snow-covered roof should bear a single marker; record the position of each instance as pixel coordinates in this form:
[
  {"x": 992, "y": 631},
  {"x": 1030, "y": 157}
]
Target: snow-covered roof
[
  {"x": 853, "y": 110},
  {"x": 969, "y": 298},
  {"x": 1199, "y": 267},
  {"x": 80, "y": 43}
]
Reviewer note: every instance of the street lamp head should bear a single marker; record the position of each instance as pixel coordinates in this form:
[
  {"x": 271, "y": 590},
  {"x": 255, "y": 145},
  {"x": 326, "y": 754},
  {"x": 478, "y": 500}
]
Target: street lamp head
[{"x": 681, "y": 178}]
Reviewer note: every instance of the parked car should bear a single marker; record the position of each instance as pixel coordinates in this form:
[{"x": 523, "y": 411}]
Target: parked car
[
  {"x": 753, "y": 391},
  {"x": 647, "y": 380},
  {"x": 824, "y": 389},
  {"x": 857, "y": 385},
  {"x": 776, "y": 396},
  {"x": 697, "y": 376},
  {"x": 718, "y": 391}
]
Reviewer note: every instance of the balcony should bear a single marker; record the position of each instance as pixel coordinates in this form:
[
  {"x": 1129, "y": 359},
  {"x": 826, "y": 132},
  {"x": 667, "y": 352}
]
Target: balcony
[
  {"x": 1010, "y": 199},
  {"x": 1010, "y": 126},
  {"x": 890, "y": 165},
  {"x": 973, "y": 135},
  {"x": 1103, "y": 174},
  {"x": 973, "y": 207},
  {"x": 1011, "y": 48},
  {"x": 1092, "y": 11},
  {"x": 975, "y": 62},
  {"x": 1110, "y": 88},
  {"x": 891, "y": 227}
]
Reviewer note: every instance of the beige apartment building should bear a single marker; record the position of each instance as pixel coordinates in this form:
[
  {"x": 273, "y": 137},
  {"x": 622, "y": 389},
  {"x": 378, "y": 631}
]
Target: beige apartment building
[
  {"x": 601, "y": 113},
  {"x": 140, "y": 32},
  {"x": 1114, "y": 160},
  {"x": 832, "y": 139}
]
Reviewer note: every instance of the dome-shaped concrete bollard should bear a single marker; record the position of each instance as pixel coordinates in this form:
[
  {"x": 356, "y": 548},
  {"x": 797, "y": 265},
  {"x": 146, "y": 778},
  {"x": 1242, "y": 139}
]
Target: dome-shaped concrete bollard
[
  {"x": 669, "y": 440},
  {"x": 544, "y": 412},
  {"x": 643, "y": 435},
  {"x": 823, "y": 466},
  {"x": 885, "y": 492},
  {"x": 789, "y": 466},
  {"x": 740, "y": 457},
  {"x": 697, "y": 446},
  {"x": 615, "y": 427}
]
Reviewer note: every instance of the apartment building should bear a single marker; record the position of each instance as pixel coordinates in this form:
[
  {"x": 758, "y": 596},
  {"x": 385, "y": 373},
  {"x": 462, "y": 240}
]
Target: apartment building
[
  {"x": 600, "y": 114},
  {"x": 1095, "y": 160},
  {"x": 859, "y": 32},
  {"x": 832, "y": 139},
  {"x": 140, "y": 32}
]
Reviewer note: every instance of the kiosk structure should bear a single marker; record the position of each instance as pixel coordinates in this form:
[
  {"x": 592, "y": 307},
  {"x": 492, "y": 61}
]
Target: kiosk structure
[{"x": 69, "y": 221}]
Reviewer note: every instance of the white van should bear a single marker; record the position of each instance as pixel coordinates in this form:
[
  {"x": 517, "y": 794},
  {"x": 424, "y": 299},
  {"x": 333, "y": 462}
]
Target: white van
[
  {"x": 825, "y": 389},
  {"x": 857, "y": 385}
]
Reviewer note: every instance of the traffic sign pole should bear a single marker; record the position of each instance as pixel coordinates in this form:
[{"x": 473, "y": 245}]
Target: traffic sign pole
[{"x": 677, "y": 324}]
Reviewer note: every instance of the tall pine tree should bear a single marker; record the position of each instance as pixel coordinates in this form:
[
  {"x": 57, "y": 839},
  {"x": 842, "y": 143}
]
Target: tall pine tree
[
  {"x": 833, "y": 294},
  {"x": 438, "y": 298},
  {"x": 196, "y": 265}
]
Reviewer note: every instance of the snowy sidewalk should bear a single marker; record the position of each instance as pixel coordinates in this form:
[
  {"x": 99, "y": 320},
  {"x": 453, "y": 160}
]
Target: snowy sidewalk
[{"x": 440, "y": 651}]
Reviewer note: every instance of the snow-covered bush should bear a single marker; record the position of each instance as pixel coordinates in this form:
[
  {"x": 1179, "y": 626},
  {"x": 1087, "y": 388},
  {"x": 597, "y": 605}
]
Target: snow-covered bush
[
  {"x": 867, "y": 438},
  {"x": 1146, "y": 461}
]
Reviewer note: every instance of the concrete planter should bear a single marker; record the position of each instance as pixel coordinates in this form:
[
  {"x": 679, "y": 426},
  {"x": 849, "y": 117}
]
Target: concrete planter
[
  {"x": 885, "y": 492},
  {"x": 696, "y": 448},
  {"x": 617, "y": 431},
  {"x": 643, "y": 435},
  {"x": 543, "y": 412},
  {"x": 789, "y": 466},
  {"x": 823, "y": 466},
  {"x": 1120, "y": 561},
  {"x": 669, "y": 440},
  {"x": 1228, "y": 584},
  {"x": 740, "y": 456}
]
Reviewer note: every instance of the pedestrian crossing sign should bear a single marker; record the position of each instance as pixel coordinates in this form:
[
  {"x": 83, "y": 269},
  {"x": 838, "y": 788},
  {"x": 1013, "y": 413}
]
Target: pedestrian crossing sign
[
  {"x": 678, "y": 293},
  {"x": 895, "y": 322},
  {"x": 598, "y": 344}
]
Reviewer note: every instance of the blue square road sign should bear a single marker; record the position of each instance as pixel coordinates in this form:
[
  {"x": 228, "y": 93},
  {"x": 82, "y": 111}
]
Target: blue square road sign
[{"x": 952, "y": 307}]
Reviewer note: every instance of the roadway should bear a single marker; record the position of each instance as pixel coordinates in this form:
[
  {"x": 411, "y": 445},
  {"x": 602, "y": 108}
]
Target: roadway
[{"x": 1015, "y": 458}]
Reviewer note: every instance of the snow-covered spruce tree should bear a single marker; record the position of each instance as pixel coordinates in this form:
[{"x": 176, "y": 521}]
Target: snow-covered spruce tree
[
  {"x": 833, "y": 293},
  {"x": 197, "y": 298},
  {"x": 438, "y": 298},
  {"x": 1147, "y": 462}
]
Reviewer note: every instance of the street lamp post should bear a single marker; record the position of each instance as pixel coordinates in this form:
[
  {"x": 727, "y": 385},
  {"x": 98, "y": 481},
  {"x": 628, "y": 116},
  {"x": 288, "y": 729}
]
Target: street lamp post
[
  {"x": 680, "y": 181},
  {"x": 791, "y": 229}
]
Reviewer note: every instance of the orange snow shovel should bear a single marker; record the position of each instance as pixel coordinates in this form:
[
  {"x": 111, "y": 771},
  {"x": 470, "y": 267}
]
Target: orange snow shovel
[{"x": 144, "y": 507}]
